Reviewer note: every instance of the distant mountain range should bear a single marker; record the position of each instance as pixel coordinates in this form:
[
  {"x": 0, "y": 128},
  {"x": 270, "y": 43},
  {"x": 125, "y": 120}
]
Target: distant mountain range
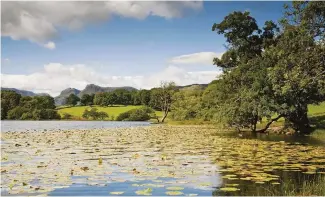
[
  {"x": 25, "y": 92},
  {"x": 89, "y": 89}
]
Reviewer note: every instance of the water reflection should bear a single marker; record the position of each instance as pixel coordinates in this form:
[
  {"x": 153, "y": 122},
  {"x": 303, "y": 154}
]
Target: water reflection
[{"x": 189, "y": 160}]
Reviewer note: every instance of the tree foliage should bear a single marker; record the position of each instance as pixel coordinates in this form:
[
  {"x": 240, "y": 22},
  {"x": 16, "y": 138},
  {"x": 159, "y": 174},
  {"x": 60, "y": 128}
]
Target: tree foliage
[
  {"x": 87, "y": 99},
  {"x": 72, "y": 99},
  {"x": 161, "y": 98},
  {"x": 186, "y": 103},
  {"x": 270, "y": 70},
  {"x": 94, "y": 114},
  {"x": 9, "y": 100},
  {"x": 141, "y": 114},
  {"x": 26, "y": 107}
]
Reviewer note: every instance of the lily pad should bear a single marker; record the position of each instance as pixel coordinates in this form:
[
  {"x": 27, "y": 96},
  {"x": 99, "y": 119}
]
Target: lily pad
[
  {"x": 175, "y": 188},
  {"x": 146, "y": 192},
  {"x": 174, "y": 193},
  {"x": 229, "y": 189}
]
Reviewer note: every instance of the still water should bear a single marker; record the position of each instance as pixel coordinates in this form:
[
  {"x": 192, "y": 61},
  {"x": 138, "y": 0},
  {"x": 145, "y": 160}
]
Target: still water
[
  {"x": 65, "y": 125},
  {"x": 157, "y": 160}
]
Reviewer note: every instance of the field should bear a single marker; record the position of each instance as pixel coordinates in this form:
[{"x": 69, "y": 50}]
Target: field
[{"x": 113, "y": 111}]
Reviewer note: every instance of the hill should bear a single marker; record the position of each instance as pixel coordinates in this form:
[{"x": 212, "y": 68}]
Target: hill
[
  {"x": 112, "y": 111},
  {"x": 25, "y": 92},
  {"x": 89, "y": 89},
  {"x": 92, "y": 89},
  {"x": 60, "y": 100}
]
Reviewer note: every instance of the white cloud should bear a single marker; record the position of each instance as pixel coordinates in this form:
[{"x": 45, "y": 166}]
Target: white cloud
[
  {"x": 39, "y": 21},
  {"x": 55, "y": 77},
  {"x": 204, "y": 58},
  {"x": 49, "y": 45}
]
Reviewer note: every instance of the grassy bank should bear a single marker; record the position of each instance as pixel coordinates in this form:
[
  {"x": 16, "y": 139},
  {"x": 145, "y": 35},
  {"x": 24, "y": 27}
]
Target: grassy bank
[{"x": 112, "y": 111}]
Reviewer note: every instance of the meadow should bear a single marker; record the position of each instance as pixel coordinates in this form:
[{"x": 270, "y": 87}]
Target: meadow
[{"x": 112, "y": 111}]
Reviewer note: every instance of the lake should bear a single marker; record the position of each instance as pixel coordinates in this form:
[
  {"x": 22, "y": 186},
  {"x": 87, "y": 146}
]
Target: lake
[
  {"x": 121, "y": 158},
  {"x": 8, "y": 125}
]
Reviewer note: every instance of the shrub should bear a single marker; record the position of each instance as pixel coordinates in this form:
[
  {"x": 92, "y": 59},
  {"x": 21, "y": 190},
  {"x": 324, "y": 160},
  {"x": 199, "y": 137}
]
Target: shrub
[
  {"x": 94, "y": 114},
  {"x": 141, "y": 114},
  {"x": 66, "y": 116}
]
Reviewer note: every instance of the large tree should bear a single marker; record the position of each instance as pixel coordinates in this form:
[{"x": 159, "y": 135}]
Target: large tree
[
  {"x": 268, "y": 71},
  {"x": 240, "y": 99}
]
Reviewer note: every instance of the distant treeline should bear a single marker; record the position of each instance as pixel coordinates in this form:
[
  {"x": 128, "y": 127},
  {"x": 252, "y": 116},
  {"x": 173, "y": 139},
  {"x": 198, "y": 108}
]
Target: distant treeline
[
  {"x": 118, "y": 97},
  {"x": 17, "y": 107}
]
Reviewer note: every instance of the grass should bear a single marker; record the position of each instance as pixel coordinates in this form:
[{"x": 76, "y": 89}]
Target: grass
[
  {"x": 112, "y": 111},
  {"x": 314, "y": 187}
]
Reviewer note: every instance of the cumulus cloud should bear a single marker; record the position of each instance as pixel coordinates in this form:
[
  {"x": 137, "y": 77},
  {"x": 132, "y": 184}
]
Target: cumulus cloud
[
  {"x": 39, "y": 21},
  {"x": 204, "y": 58},
  {"x": 55, "y": 77}
]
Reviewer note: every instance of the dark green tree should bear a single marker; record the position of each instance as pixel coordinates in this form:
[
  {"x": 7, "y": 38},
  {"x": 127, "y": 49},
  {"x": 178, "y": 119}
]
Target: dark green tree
[
  {"x": 9, "y": 100},
  {"x": 72, "y": 100},
  {"x": 86, "y": 99}
]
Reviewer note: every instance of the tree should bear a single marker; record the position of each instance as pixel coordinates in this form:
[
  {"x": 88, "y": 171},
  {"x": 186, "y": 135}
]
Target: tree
[
  {"x": 297, "y": 73},
  {"x": 144, "y": 97},
  {"x": 87, "y": 99},
  {"x": 186, "y": 103},
  {"x": 110, "y": 99},
  {"x": 72, "y": 100},
  {"x": 34, "y": 108},
  {"x": 99, "y": 99},
  {"x": 240, "y": 93},
  {"x": 141, "y": 114},
  {"x": 9, "y": 100},
  {"x": 161, "y": 98},
  {"x": 94, "y": 114},
  {"x": 17, "y": 113},
  {"x": 135, "y": 97},
  {"x": 268, "y": 71}
]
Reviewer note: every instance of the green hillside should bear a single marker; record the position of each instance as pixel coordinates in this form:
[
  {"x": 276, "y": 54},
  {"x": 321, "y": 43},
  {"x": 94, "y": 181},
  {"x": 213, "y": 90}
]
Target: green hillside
[{"x": 77, "y": 111}]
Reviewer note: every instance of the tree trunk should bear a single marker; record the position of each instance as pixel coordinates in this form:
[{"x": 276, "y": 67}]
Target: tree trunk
[
  {"x": 165, "y": 115},
  {"x": 299, "y": 121},
  {"x": 254, "y": 123}
]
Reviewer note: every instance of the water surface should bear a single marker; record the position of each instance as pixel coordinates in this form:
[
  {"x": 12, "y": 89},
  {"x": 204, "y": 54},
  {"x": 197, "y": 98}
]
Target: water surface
[
  {"x": 190, "y": 160},
  {"x": 14, "y": 125}
]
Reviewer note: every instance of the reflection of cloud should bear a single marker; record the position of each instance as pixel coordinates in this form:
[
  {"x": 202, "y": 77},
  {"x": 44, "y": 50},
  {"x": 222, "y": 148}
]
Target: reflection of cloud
[
  {"x": 131, "y": 150},
  {"x": 5, "y": 60}
]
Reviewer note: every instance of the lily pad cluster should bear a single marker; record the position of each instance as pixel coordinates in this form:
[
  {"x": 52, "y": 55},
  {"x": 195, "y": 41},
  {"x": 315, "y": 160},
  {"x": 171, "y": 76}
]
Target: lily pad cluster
[{"x": 40, "y": 162}]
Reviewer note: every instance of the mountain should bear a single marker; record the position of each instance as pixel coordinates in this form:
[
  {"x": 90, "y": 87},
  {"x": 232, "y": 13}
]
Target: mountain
[
  {"x": 92, "y": 89},
  {"x": 25, "y": 92},
  {"x": 89, "y": 89},
  {"x": 60, "y": 100}
]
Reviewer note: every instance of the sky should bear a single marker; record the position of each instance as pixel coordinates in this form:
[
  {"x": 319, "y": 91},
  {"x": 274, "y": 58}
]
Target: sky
[{"x": 50, "y": 46}]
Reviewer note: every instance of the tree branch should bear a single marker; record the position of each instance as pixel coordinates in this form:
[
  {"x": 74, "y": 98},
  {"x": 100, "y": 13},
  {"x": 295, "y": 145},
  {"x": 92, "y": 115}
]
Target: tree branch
[{"x": 269, "y": 123}]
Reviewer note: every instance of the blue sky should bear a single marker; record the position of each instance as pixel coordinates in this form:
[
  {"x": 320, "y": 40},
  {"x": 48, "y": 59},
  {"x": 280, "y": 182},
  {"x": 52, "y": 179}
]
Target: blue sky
[{"x": 119, "y": 46}]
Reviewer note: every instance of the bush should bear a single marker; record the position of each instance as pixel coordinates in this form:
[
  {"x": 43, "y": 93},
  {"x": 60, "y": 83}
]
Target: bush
[
  {"x": 66, "y": 116},
  {"x": 141, "y": 114},
  {"x": 94, "y": 114}
]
